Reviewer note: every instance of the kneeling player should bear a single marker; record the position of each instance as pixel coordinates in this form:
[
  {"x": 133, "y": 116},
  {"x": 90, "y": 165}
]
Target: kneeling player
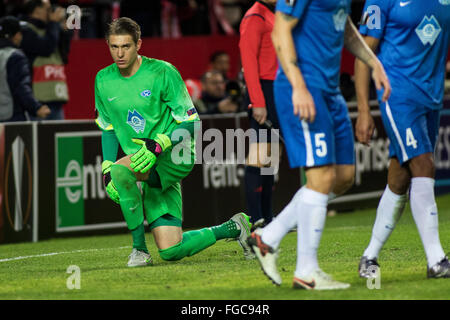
[{"x": 143, "y": 104}]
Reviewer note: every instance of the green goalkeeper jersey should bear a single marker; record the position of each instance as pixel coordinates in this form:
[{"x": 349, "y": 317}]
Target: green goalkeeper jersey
[{"x": 153, "y": 100}]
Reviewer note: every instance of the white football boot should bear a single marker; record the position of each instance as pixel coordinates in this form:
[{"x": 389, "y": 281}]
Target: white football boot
[
  {"x": 139, "y": 258},
  {"x": 318, "y": 280}
]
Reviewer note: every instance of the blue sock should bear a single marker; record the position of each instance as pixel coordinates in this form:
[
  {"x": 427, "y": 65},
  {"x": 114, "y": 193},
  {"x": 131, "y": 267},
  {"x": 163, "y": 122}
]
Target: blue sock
[{"x": 253, "y": 191}]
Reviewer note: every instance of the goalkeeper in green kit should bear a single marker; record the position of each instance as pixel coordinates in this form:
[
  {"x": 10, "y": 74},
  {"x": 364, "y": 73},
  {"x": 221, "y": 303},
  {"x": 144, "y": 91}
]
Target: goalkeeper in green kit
[{"x": 144, "y": 106}]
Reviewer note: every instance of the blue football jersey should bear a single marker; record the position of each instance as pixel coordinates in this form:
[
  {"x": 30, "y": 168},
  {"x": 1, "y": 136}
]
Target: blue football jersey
[
  {"x": 414, "y": 41},
  {"x": 318, "y": 39}
]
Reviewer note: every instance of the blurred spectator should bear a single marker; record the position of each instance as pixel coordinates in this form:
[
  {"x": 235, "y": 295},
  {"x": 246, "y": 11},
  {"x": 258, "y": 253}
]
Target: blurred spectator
[
  {"x": 146, "y": 13},
  {"x": 194, "y": 88},
  {"x": 16, "y": 95},
  {"x": 170, "y": 25},
  {"x": 218, "y": 18},
  {"x": 193, "y": 17},
  {"x": 46, "y": 42},
  {"x": 214, "y": 98},
  {"x": 220, "y": 61}
]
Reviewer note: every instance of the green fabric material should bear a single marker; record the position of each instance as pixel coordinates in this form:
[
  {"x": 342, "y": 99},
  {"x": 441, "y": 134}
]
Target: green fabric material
[
  {"x": 166, "y": 220},
  {"x": 162, "y": 190},
  {"x": 177, "y": 136},
  {"x": 110, "y": 145},
  {"x": 138, "y": 235},
  {"x": 150, "y": 102},
  {"x": 226, "y": 230},
  {"x": 193, "y": 242},
  {"x": 158, "y": 202},
  {"x": 130, "y": 195}
]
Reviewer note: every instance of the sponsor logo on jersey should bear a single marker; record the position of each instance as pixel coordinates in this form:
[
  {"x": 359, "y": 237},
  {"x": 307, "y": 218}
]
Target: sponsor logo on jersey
[
  {"x": 339, "y": 19},
  {"x": 428, "y": 30},
  {"x": 136, "y": 121},
  {"x": 146, "y": 93}
]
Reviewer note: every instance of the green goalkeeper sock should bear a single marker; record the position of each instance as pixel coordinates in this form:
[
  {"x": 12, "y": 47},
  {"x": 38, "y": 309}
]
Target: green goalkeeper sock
[
  {"x": 130, "y": 195},
  {"x": 138, "y": 235},
  {"x": 193, "y": 242},
  {"x": 226, "y": 230}
]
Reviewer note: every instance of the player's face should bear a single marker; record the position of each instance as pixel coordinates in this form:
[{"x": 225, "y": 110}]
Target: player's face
[{"x": 124, "y": 50}]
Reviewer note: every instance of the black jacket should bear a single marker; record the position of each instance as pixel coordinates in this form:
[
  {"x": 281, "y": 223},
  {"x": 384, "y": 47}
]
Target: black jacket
[
  {"x": 55, "y": 38},
  {"x": 19, "y": 81}
]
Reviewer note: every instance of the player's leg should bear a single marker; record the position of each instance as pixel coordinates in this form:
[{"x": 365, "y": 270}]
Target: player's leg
[
  {"x": 254, "y": 182},
  {"x": 163, "y": 203},
  {"x": 422, "y": 199},
  {"x": 312, "y": 146},
  {"x": 332, "y": 146},
  {"x": 174, "y": 244},
  {"x": 344, "y": 141},
  {"x": 125, "y": 180},
  {"x": 259, "y": 182},
  {"x": 393, "y": 200},
  {"x": 273, "y": 151},
  {"x": 389, "y": 211}
]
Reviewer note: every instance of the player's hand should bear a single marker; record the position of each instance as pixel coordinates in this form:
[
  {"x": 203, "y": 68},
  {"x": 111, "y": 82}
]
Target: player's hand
[
  {"x": 145, "y": 158},
  {"x": 303, "y": 103},
  {"x": 259, "y": 114},
  {"x": 109, "y": 185},
  {"x": 43, "y": 111},
  {"x": 364, "y": 127},
  {"x": 381, "y": 80}
]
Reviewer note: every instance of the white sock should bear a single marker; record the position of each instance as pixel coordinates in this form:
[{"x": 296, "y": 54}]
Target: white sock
[
  {"x": 275, "y": 231},
  {"x": 310, "y": 224},
  {"x": 389, "y": 211},
  {"x": 425, "y": 213}
]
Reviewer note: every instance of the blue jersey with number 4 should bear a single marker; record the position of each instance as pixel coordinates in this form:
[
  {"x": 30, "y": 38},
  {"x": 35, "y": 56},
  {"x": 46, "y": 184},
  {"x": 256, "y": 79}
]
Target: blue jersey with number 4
[
  {"x": 318, "y": 39},
  {"x": 414, "y": 40}
]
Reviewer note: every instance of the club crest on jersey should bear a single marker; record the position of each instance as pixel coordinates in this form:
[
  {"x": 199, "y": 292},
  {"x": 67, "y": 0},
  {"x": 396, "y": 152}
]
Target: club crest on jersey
[
  {"x": 428, "y": 30},
  {"x": 146, "y": 93},
  {"x": 339, "y": 19},
  {"x": 136, "y": 121}
]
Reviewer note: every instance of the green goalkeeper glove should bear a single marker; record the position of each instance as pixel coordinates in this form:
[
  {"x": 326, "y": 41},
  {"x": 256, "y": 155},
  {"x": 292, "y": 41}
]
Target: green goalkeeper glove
[
  {"x": 145, "y": 158},
  {"x": 109, "y": 185}
]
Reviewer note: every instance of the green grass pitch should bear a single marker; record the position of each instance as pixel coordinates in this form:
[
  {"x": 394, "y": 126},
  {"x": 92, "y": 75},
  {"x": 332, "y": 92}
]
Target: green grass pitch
[{"x": 220, "y": 272}]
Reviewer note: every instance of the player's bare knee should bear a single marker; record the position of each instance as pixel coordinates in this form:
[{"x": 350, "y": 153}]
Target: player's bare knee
[
  {"x": 344, "y": 183},
  {"x": 422, "y": 166},
  {"x": 321, "y": 179}
]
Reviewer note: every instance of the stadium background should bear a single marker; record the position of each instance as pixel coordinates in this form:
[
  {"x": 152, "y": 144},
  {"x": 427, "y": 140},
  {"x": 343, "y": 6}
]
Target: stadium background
[{"x": 50, "y": 171}]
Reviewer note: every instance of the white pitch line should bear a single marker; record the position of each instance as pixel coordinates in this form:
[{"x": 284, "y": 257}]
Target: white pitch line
[{"x": 57, "y": 253}]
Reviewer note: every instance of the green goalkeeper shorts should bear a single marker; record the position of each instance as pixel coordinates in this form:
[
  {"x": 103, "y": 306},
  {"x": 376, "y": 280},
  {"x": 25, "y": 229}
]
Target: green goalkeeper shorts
[{"x": 162, "y": 190}]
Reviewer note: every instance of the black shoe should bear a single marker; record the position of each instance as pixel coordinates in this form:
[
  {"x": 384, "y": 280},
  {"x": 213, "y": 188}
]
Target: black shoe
[
  {"x": 364, "y": 269},
  {"x": 440, "y": 269}
]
